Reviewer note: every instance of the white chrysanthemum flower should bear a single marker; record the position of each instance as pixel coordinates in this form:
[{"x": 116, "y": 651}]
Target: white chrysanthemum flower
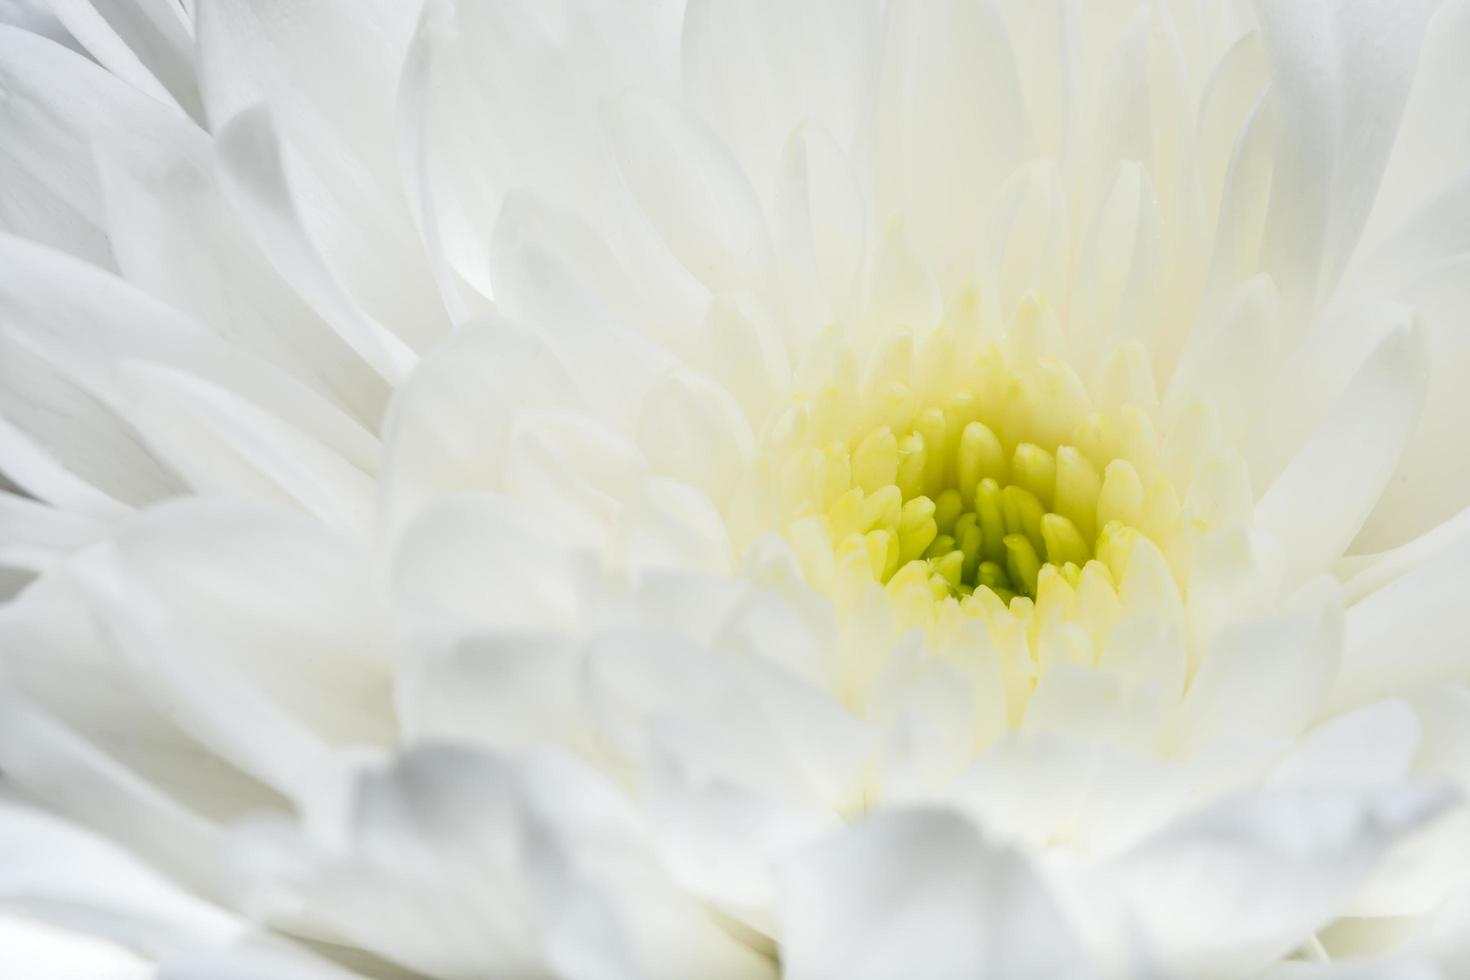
[{"x": 936, "y": 488}]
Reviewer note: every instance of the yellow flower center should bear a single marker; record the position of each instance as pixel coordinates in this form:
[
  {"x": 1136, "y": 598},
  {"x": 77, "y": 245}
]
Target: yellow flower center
[{"x": 986, "y": 485}]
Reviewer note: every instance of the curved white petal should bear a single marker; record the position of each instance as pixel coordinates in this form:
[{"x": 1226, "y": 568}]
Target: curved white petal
[
  {"x": 759, "y": 70},
  {"x": 727, "y": 718},
  {"x": 54, "y": 306},
  {"x": 47, "y": 953},
  {"x": 83, "y": 726},
  {"x": 476, "y": 559},
  {"x": 454, "y": 862},
  {"x": 221, "y": 443},
  {"x": 1371, "y": 747},
  {"x": 250, "y": 157},
  {"x": 35, "y": 536},
  {"x": 693, "y": 192},
  {"x": 820, "y": 225},
  {"x": 174, "y": 234},
  {"x": 1408, "y": 634},
  {"x": 919, "y": 893},
  {"x": 36, "y": 17},
  {"x": 1350, "y": 458},
  {"x": 1265, "y": 679},
  {"x": 450, "y": 422},
  {"x": 268, "y": 646},
  {"x": 1241, "y": 884},
  {"x": 148, "y": 43},
  {"x": 1430, "y": 150},
  {"x": 1431, "y": 482},
  {"x": 58, "y": 106},
  {"x": 554, "y": 274},
  {"x": 692, "y": 429},
  {"x": 69, "y": 876},
  {"x": 37, "y": 471},
  {"x": 1342, "y": 76},
  {"x": 537, "y": 109},
  {"x": 949, "y": 115},
  {"x": 330, "y": 91}
]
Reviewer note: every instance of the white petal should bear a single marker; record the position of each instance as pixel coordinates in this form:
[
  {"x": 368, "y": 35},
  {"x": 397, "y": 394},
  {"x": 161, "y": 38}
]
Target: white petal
[
  {"x": 35, "y": 536},
  {"x": 1091, "y": 705},
  {"x": 758, "y": 70},
  {"x": 79, "y": 780},
  {"x": 148, "y": 43},
  {"x": 1226, "y": 102},
  {"x": 55, "y": 305},
  {"x": 1118, "y": 276},
  {"x": 902, "y": 290},
  {"x": 81, "y": 727},
  {"x": 793, "y": 628},
  {"x": 1389, "y": 969},
  {"x": 733, "y": 719},
  {"x": 932, "y": 720},
  {"x": 821, "y": 228},
  {"x": 1430, "y": 150},
  {"x": 174, "y": 235},
  {"x": 602, "y": 901},
  {"x": 1419, "y": 878},
  {"x": 950, "y": 126},
  {"x": 1408, "y": 634},
  {"x": 1244, "y": 203},
  {"x": 58, "y": 432},
  {"x": 1228, "y": 891},
  {"x": 1362, "y": 574},
  {"x": 1265, "y": 679},
  {"x": 251, "y": 959},
  {"x": 555, "y": 275},
  {"x": 691, "y": 605},
  {"x": 47, "y": 953},
  {"x": 691, "y": 429},
  {"x": 1030, "y": 236},
  {"x": 248, "y": 53},
  {"x": 723, "y": 843},
  {"x": 59, "y": 105},
  {"x": 668, "y": 524},
  {"x": 36, "y": 17},
  {"x": 268, "y": 646},
  {"x": 1342, "y": 75},
  {"x": 42, "y": 475},
  {"x": 746, "y": 350},
  {"x": 450, "y": 422},
  {"x": 1371, "y": 747},
  {"x": 502, "y": 690},
  {"x": 536, "y": 108},
  {"x": 327, "y": 77},
  {"x": 462, "y": 863},
  {"x": 1350, "y": 458},
  {"x": 693, "y": 192},
  {"x": 574, "y": 471},
  {"x": 1223, "y": 360},
  {"x": 75, "y": 879},
  {"x": 1047, "y": 791},
  {"x": 223, "y": 444},
  {"x": 1237, "y": 575},
  {"x": 419, "y": 865},
  {"x": 474, "y": 558},
  {"x": 918, "y": 893},
  {"x": 1432, "y": 482},
  {"x": 250, "y": 156}
]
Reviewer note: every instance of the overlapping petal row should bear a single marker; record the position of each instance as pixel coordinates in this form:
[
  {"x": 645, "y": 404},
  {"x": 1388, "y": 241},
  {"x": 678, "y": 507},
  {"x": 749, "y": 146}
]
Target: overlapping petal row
[{"x": 737, "y": 489}]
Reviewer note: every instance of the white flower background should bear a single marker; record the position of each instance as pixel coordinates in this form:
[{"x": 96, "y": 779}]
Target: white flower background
[{"x": 444, "y": 442}]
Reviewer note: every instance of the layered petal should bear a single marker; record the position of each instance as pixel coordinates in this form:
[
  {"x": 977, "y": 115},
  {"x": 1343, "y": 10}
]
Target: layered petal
[
  {"x": 1245, "y": 882},
  {"x": 920, "y": 892}
]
